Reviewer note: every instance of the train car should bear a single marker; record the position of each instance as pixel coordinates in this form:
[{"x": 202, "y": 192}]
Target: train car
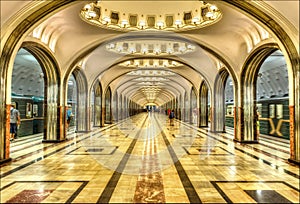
[
  {"x": 273, "y": 116},
  {"x": 31, "y": 113},
  {"x": 38, "y": 114},
  {"x": 73, "y": 110},
  {"x": 24, "y": 104}
]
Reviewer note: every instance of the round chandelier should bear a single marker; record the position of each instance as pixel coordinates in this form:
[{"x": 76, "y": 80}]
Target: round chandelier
[{"x": 150, "y": 15}]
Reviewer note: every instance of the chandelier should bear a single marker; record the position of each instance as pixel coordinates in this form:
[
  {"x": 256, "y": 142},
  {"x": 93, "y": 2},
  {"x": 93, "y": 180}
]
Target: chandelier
[
  {"x": 150, "y": 15},
  {"x": 150, "y": 47},
  {"x": 150, "y": 63}
]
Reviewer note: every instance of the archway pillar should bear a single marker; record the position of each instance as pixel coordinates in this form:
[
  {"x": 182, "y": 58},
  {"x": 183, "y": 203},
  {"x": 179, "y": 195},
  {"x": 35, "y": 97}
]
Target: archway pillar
[
  {"x": 203, "y": 106},
  {"x": 97, "y": 104},
  {"x": 295, "y": 123},
  {"x": 54, "y": 126},
  {"x": 238, "y": 114},
  {"x": 102, "y": 116},
  {"x": 295, "y": 126},
  {"x": 5, "y": 141},
  {"x": 217, "y": 113},
  {"x": 247, "y": 122},
  {"x": 97, "y": 113}
]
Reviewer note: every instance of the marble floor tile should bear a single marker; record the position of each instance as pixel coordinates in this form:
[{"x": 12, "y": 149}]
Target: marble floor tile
[{"x": 144, "y": 160}]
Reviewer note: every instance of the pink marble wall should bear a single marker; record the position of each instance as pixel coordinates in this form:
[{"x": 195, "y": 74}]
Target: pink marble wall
[
  {"x": 7, "y": 132},
  {"x": 240, "y": 124},
  {"x": 62, "y": 123},
  {"x": 292, "y": 133},
  {"x": 234, "y": 123}
]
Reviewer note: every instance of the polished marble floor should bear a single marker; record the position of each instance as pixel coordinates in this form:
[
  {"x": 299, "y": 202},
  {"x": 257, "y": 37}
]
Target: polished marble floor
[{"x": 145, "y": 160}]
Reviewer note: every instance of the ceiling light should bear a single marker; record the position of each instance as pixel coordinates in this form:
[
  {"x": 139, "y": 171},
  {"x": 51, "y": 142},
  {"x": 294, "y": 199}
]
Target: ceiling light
[
  {"x": 106, "y": 20},
  {"x": 87, "y": 7},
  {"x": 213, "y": 8},
  {"x": 142, "y": 24},
  {"x": 151, "y": 47},
  {"x": 124, "y": 23},
  {"x": 160, "y": 24},
  {"x": 209, "y": 14},
  {"x": 145, "y": 63},
  {"x": 92, "y": 14},
  {"x": 196, "y": 20},
  {"x": 161, "y": 20},
  {"x": 178, "y": 23}
]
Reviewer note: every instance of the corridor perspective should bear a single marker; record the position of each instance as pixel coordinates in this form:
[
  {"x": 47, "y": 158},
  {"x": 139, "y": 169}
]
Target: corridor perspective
[
  {"x": 149, "y": 101},
  {"x": 144, "y": 159}
]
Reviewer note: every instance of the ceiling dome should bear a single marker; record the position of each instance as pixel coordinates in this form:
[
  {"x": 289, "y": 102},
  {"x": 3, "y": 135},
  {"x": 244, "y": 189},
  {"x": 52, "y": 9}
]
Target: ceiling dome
[{"x": 150, "y": 15}]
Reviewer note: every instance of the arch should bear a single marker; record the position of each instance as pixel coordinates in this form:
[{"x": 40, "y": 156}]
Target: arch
[
  {"x": 203, "y": 105},
  {"x": 194, "y": 111},
  {"x": 115, "y": 105},
  {"x": 120, "y": 107},
  {"x": 248, "y": 91},
  {"x": 97, "y": 104},
  {"x": 52, "y": 108},
  {"x": 179, "y": 113},
  {"x": 82, "y": 110},
  {"x": 218, "y": 108},
  {"x": 108, "y": 115},
  {"x": 186, "y": 112}
]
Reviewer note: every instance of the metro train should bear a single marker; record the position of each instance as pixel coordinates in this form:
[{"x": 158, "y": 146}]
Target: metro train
[
  {"x": 31, "y": 110},
  {"x": 273, "y": 116}
]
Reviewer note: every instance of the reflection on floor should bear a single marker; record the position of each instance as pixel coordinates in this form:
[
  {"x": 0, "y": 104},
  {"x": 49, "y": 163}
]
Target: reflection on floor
[{"x": 143, "y": 159}]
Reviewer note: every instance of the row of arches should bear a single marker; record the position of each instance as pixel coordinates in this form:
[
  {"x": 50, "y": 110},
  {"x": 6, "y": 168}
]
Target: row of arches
[{"x": 96, "y": 107}]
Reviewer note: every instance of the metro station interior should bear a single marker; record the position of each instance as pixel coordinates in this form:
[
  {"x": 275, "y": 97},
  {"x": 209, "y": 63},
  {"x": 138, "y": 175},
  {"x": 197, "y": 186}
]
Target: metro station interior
[{"x": 228, "y": 70}]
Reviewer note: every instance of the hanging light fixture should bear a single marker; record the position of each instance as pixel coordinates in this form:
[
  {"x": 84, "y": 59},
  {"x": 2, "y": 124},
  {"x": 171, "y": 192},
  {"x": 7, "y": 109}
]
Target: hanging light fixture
[{"x": 172, "y": 20}]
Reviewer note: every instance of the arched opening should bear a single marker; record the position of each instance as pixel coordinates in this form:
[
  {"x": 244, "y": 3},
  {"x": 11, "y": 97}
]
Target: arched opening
[
  {"x": 120, "y": 107},
  {"x": 186, "y": 108},
  {"x": 108, "y": 118},
  {"x": 115, "y": 107},
  {"x": 252, "y": 101},
  {"x": 27, "y": 93},
  {"x": 249, "y": 78},
  {"x": 96, "y": 108},
  {"x": 229, "y": 101},
  {"x": 82, "y": 101},
  {"x": 51, "y": 103},
  {"x": 272, "y": 99},
  {"x": 219, "y": 102},
  {"x": 204, "y": 114},
  {"x": 194, "y": 109},
  {"x": 71, "y": 115}
]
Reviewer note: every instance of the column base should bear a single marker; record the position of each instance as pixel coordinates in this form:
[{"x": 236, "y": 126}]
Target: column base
[
  {"x": 83, "y": 131},
  {"x": 294, "y": 161},
  {"x": 5, "y": 161},
  {"x": 218, "y": 131},
  {"x": 53, "y": 141},
  {"x": 246, "y": 141}
]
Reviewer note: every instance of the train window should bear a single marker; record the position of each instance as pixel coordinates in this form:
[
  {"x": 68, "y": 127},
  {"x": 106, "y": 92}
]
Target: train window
[
  {"x": 259, "y": 109},
  {"x": 28, "y": 110},
  {"x": 35, "y": 111},
  {"x": 279, "y": 111},
  {"x": 272, "y": 110},
  {"x": 14, "y": 103},
  {"x": 229, "y": 110}
]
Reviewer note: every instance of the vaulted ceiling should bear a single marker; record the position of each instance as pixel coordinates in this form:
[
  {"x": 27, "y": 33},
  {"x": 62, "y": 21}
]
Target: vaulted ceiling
[{"x": 149, "y": 51}]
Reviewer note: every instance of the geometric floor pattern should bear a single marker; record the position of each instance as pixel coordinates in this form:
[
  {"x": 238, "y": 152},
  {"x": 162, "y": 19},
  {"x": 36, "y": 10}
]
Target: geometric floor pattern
[{"x": 145, "y": 160}]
